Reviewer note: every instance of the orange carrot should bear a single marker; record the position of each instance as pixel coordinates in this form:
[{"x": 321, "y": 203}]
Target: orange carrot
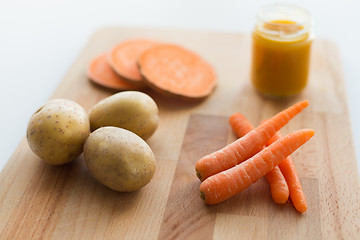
[
  {"x": 100, "y": 72},
  {"x": 288, "y": 169},
  {"x": 240, "y": 124},
  {"x": 228, "y": 183},
  {"x": 176, "y": 71},
  {"x": 123, "y": 58},
  {"x": 278, "y": 186},
  {"x": 247, "y": 146}
]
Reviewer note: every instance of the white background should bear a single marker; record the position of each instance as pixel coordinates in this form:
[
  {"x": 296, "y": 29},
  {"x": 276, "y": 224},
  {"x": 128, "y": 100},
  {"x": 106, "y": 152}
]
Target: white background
[{"x": 39, "y": 41}]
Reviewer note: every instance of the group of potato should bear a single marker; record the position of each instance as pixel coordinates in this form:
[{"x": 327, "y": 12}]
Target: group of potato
[{"x": 111, "y": 137}]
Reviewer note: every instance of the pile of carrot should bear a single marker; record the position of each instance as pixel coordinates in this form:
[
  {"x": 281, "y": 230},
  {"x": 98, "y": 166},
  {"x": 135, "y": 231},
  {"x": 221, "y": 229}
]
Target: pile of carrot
[
  {"x": 258, "y": 152},
  {"x": 167, "y": 68}
]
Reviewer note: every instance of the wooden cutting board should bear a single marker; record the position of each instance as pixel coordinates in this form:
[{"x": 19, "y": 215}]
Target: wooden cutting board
[{"x": 39, "y": 201}]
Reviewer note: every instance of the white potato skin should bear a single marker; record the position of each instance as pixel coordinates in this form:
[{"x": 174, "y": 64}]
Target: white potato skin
[
  {"x": 119, "y": 159},
  {"x": 131, "y": 110},
  {"x": 58, "y": 130}
]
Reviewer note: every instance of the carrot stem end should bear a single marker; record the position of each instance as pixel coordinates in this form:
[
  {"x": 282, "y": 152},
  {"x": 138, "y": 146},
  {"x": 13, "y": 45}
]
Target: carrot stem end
[
  {"x": 202, "y": 195},
  {"x": 198, "y": 174}
]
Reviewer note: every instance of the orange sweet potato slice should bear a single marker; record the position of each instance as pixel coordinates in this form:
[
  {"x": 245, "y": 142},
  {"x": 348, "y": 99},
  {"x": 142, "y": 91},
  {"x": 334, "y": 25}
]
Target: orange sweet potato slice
[
  {"x": 100, "y": 72},
  {"x": 177, "y": 71},
  {"x": 123, "y": 58}
]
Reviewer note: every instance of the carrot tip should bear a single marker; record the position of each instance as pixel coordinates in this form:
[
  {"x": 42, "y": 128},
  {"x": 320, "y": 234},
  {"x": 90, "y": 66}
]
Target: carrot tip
[
  {"x": 282, "y": 201},
  {"x": 202, "y": 195},
  {"x": 302, "y": 210}
]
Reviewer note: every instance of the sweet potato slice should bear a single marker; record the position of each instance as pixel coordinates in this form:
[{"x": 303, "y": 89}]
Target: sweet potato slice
[
  {"x": 123, "y": 58},
  {"x": 100, "y": 72},
  {"x": 177, "y": 71}
]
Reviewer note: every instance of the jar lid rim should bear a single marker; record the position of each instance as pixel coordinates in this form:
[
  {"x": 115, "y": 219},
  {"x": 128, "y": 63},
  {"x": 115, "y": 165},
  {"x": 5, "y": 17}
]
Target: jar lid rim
[{"x": 285, "y": 8}]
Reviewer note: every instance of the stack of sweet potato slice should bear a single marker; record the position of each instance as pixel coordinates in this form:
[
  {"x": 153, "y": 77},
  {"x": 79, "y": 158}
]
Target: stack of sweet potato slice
[{"x": 167, "y": 68}]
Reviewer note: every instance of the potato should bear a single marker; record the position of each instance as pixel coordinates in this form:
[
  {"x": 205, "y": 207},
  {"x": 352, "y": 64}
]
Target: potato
[
  {"x": 58, "y": 130},
  {"x": 132, "y": 110},
  {"x": 119, "y": 159}
]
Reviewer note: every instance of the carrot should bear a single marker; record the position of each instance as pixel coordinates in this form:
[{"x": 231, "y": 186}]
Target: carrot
[
  {"x": 176, "y": 71},
  {"x": 288, "y": 169},
  {"x": 123, "y": 58},
  {"x": 100, "y": 72},
  {"x": 278, "y": 186},
  {"x": 240, "y": 124},
  {"x": 247, "y": 146},
  {"x": 228, "y": 183}
]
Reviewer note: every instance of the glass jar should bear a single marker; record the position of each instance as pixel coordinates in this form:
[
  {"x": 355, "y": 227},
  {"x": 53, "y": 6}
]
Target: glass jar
[{"x": 281, "y": 50}]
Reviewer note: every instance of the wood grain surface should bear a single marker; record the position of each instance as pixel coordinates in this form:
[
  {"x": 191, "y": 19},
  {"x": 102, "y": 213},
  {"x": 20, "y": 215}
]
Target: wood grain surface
[{"x": 39, "y": 201}]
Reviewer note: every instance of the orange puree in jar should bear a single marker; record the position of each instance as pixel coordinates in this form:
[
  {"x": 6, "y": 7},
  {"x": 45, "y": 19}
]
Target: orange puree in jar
[{"x": 281, "y": 51}]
